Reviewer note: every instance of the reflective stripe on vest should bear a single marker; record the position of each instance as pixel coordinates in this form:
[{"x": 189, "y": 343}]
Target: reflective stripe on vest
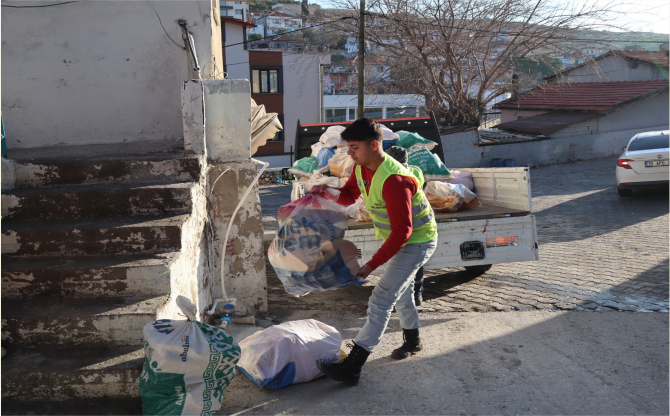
[
  {"x": 415, "y": 223},
  {"x": 415, "y": 210},
  {"x": 424, "y": 227}
]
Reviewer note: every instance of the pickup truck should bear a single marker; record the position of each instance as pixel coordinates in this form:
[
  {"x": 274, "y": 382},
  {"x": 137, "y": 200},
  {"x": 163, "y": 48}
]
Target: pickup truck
[{"x": 503, "y": 230}]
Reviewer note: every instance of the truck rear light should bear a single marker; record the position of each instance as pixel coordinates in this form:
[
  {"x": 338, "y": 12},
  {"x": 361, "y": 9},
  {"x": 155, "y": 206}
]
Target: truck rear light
[
  {"x": 500, "y": 241},
  {"x": 624, "y": 163}
]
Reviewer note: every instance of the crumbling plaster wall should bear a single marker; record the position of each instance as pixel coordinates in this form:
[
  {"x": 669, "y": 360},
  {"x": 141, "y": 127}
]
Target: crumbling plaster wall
[
  {"x": 225, "y": 110},
  {"x": 94, "y": 72}
]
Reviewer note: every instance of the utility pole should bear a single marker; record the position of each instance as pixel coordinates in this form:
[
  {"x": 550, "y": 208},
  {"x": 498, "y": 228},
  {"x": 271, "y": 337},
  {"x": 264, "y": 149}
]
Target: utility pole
[{"x": 361, "y": 61}]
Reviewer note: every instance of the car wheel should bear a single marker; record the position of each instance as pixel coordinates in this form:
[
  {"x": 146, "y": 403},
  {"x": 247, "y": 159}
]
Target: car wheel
[
  {"x": 624, "y": 193},
  {"x": 478, "y": 269}
]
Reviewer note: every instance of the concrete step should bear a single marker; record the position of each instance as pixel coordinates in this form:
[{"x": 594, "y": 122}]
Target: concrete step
[
  {"x": 86, "y": 276},
  {"x": 76, "y": 321},
  {"x": 57, "y": 372},
  {"x": 96, "y": 201},
  {"x": 59, "y": 172},
  {"x": 128, "y": 235}
]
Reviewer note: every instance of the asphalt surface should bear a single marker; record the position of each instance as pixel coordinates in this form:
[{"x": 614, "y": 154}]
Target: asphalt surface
[{"x": 536, "y": 362}]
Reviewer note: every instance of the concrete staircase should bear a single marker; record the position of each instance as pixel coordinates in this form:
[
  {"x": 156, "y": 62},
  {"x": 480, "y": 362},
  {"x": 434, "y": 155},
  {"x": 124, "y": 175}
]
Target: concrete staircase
[{"x": 86, "y": 250}]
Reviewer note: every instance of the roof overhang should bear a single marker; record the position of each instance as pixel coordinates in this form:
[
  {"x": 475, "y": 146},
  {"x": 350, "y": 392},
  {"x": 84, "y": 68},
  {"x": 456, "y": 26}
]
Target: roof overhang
[{"x": 547, "y": 123}]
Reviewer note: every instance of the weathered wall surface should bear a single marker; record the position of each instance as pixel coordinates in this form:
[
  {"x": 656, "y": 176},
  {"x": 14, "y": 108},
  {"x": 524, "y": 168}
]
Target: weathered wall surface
[
  {"x": 644, "y": 115},
  {"x": 244, "y": 265},
  {"x": 461, "y": 150},
  {"x": 612, "y": 68},
  {"x": 566, "y": 149},
  {"x": 302, "y": 91},
  {"x": 228, "y": 173},
  {"x": 93, "y": 72}
]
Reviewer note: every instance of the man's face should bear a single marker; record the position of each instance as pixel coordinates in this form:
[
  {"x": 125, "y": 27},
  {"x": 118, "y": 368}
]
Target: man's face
[{"x": 363, "y": 152}]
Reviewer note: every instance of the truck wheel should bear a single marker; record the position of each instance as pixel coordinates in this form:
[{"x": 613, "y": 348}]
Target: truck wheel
[
  {"x": 479, "y": 269},
  {"x": 624, "y": 192}
]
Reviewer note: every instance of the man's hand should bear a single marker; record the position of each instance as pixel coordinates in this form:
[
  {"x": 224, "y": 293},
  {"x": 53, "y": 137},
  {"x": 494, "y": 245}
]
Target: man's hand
[
  {"x": 364, "y": 272},
  {"x": 319, "y": 189}
]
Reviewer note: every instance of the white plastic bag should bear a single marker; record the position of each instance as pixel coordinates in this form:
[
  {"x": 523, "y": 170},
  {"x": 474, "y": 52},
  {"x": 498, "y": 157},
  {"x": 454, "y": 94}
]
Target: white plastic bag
[
  {"x": 358, "y": 211},
  {"x": 389, "y": 134},
  {"x": 463, "y": 178},
  {"x": 286, "y": 354},
  {"x": 331, "y": 137},
  {"x": 187, "y": 365},
  {"x": 301, "y": 187}
]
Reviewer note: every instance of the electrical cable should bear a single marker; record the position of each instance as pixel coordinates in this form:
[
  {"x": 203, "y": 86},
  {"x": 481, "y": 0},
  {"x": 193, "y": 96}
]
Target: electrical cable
[
  {"x": 161, "y": 22},
  {"x": 42, "y": 5}
]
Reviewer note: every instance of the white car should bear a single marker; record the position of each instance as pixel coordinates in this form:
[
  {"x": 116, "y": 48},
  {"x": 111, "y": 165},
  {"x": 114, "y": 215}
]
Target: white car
[{"x": 644, "y": 163}]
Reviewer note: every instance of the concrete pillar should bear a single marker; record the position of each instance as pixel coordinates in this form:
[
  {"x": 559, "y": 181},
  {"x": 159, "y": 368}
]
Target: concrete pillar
[{"x": 221, "y": 121}]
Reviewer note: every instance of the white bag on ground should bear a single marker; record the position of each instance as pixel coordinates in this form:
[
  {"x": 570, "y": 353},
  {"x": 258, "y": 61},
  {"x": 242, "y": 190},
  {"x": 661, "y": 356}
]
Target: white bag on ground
[
  {"x": 187, "y": 365},
  {"x": 286, "y": 354}
]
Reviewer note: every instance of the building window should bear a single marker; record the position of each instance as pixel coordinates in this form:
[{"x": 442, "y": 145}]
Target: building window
[
  {"x": 334, "y": 115},
  {"x": 375, "y": 113},
  {"x": 352, "y": 114},
  {"x": 238, "y": 11},
  {"x": 266, "y": 80},
  {"x": 238, "y": 2},
  {"x": 279, "y": 137},
  {"x": 224, "y": 12}
]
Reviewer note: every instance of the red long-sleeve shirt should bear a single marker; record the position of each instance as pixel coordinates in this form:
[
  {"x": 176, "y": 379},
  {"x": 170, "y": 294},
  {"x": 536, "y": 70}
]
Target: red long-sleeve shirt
[{"x": 398, "y": 191}]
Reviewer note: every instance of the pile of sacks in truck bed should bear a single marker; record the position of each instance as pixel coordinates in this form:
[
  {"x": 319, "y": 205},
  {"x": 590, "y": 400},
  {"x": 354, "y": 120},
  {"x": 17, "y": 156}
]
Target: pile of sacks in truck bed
[{"x": 329, "y": 164}]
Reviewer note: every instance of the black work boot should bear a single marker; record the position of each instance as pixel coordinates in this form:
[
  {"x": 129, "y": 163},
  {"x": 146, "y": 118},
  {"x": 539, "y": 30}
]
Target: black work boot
[
  {"x": 418, "y": 299},
  {"x": 349, "y": 370},
  {"x": 412, "y": 343}
]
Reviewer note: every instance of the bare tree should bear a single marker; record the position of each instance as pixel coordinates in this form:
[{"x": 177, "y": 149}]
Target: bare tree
[{"x": 461, "y": 54}]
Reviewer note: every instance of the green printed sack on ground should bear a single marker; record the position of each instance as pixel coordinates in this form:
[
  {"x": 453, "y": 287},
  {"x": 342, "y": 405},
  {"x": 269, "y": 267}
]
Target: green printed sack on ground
[
  {"x": 428, "y": 162},
  {"x": 187, "y": 365},
  {"x": 408, "y": 140}
]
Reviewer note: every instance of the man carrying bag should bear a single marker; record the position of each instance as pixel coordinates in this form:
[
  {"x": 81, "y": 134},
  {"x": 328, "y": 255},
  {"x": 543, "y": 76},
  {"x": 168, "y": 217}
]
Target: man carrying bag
[{"x": 403, "y": 218}]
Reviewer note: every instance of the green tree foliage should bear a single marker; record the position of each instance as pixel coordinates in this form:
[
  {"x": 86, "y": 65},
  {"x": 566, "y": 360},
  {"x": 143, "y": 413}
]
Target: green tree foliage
[{"x": 254, "y": 36}]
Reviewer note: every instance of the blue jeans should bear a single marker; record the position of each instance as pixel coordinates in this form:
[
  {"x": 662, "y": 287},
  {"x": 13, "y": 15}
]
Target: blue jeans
[{"x": 396, "y": 287}]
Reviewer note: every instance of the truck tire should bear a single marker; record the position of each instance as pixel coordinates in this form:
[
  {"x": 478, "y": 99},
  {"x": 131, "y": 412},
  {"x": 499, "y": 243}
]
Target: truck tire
[
  {"x": 624, "y": 193},
  {"x": 479, "y": 269}
]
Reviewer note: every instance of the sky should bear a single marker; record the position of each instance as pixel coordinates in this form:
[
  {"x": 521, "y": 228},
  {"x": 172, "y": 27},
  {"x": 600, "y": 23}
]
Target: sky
[{"x": 635, "y": 15}]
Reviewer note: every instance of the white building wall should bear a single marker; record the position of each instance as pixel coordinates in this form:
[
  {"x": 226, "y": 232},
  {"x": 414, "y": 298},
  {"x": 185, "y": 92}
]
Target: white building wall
[
  {"x": 100, "y": 72},
  {"x": 644, "y": 114},
  {"x": 302, "y": 92},
  {"x": 237, "y": 58},
  {"x": 612, "y": 68}
]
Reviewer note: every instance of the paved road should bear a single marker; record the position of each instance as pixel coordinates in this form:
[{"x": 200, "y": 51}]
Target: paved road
[
  {"x": 536, "y": 362},
  {"x": 597, "y": 252}
]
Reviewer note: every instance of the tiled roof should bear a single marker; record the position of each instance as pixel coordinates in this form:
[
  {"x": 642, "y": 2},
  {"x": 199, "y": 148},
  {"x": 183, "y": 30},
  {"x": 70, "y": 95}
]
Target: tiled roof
[
  {"x": 237, "y": 21},
  {"x": 655, "y": 58},
  {"x": 279, "y": 14},
  {"x": 584, "y": 96}
]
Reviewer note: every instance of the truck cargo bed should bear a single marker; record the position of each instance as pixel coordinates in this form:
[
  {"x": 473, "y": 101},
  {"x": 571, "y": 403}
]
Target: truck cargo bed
[{"x": 480, "y": 213}]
